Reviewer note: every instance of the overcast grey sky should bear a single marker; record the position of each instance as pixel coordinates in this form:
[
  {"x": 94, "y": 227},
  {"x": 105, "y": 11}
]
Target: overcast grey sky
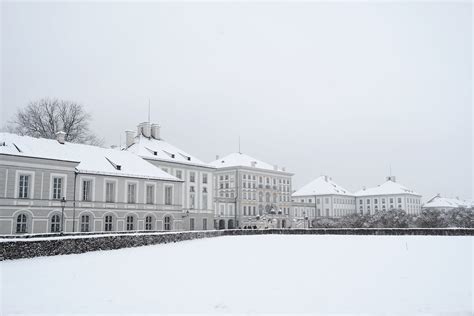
[{"x": 345, "y": 89}]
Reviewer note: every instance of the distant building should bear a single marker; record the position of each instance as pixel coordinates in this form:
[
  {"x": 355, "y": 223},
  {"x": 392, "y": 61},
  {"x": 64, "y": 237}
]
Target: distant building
[
  {"x": 198, "y": 191},
  {"x": 446, "y": 204},
  {"x": 387, "y": 196},
  {"x": 323, "y": 197},
  {"x": 101, "y": 189},
  {"x": 248, "y": 190}
]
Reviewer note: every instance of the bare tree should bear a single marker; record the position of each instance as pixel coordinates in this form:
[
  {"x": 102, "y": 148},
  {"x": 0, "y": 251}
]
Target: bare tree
[{"x": 45, "y": 117}]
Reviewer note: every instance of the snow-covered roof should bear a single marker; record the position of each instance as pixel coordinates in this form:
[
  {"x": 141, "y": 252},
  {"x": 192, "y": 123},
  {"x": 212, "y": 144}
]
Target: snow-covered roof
[
  {"x": 158, "y": 149},
  {"x": 387, "y": 188},
  {"x": 322, "y": 185},
  {"x": 243, "y": 160},
  {"x": 91, "y": 159},
  {"x": 442, "y": 202}
]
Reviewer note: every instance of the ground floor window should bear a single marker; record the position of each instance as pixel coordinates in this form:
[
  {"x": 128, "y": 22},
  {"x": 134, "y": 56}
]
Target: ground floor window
[
  {"x": 148, "y": 223},
  {"x": 108, "y": 223},
  {"x": 55, "y": 224},
  {"x": 21, "y": 223},
  {"x": 130, "y": 222},
  {"x": 204, "y": 224},
  {"x": 167, "y": 221},
  {"x": 85, "y": 223},
  {"x": 191, "y": 224}
]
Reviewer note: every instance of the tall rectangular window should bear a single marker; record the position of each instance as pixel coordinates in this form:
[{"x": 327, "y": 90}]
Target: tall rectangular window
[
  {"x": 191, "y": 224},
  {"x": 57, "y": 188},
  {"x": 204, "y": 224},
  {"x": 109, "y": 192},
  {"x": 87, "y": 190},
  {"x": 204, "y": 178},
  {"x": 179, "y": 174},
  {"x": 192, "y": 177},
  {"x": 132, "y": 193},
  {"x": 24, "y": 187},
  {"x": 192, "y": 200},
  {"x": 150, "y": 194},
  {"x": 204, "y": 201},
  {"x": 168, "y": 195}
]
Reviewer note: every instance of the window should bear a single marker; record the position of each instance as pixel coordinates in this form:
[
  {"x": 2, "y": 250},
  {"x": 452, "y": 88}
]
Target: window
[
  {"x": 326, "y": 200},
  {"x": 204, "y": 224},
  {"x": 245, "y": 210},
  {"x": 191, "y": 224},
  {"x": 109, "y": 192},
  {"x": 368, "y": 201},
  {"x": 399, "y": 200},
  {"x": 150, "y": 194},
  {"x": 131, "y": 195},
  {"x": 168, "y": 195},
  {"x": 375, "y": 201},
  {"x": 55, "y": 224},
  {"x": 86, "y": 190},
  {"x": 85, "y": 223},
  {"x": 21, "y": 223},
  {"x": 148, "y": 223},
  {"x": 204, "y": 201},
  {"x": 179, "y": 174},
  {"x": 23, "y": 192},
  {"x": 167, "y": 221},
  {"x": 204, "y": 178},
  {"x": 391, "y": 200},
  {"x": 165, "y": 169},
  {"x": 192, "y": 200},
  {"x": 108, "y": 223},
  {"x": 130, "y": 220},
  {"x": 57, "y": 188},
  {"x": 192, "y": 177}
]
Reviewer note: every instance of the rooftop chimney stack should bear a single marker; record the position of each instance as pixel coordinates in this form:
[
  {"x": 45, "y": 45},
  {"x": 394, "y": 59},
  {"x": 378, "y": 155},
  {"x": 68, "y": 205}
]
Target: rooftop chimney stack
[
  {"x": 61, "y": 137},
  {"x": 140, "y": 129},
  {"x": 391, "y": 178},
  {"x": 254, "y": 164},
  {"x": 326, "y": 178},
  {"x": 155, "y": 131},
  {"x": 146, "y": 129},
  {"x": 129, "y": 138}
]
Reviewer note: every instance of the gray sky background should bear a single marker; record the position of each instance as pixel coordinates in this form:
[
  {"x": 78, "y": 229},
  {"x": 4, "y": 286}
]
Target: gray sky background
[{"x": 344, "y": 89}]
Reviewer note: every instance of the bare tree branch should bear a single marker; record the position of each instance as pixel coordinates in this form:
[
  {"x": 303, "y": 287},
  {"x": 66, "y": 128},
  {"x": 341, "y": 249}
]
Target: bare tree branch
[{"x": 45, "y": 117}]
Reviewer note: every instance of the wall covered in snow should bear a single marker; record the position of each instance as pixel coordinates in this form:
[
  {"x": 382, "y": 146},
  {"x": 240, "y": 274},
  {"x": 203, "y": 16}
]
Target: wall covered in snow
[{"x": 35, "y": 246}]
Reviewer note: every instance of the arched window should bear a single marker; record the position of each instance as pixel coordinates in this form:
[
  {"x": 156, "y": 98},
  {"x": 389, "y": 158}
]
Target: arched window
[
  {"x": 148, "y": 223},
  {"x": 21, "y": 223},
  {"x": 55, "y": 223},
  {"x": 267, "y": 197},
  {"x": 130, "y": 222},
  {"x": 167, "y": 221},
  {"x": 260, "y": 196},
  {"x": 274, "y": 198},
  {"x": 108, "y": 223},
  {"x": 85, "y": 223}
]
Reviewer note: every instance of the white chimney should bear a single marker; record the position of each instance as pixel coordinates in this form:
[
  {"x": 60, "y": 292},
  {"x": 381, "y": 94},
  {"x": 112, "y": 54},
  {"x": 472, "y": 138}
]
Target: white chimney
[
  {"x": 61, "y": 137},
  {"x": 140, "y": 129},
  {"x": 253, "y": 163},
  {"x": 326, "y": 178},
  {"x": 146, "y": 129},
  {"x": 391, "y": 178},
  {"x": 155, "y": 131},
  {"x": 129, "y": 138}
]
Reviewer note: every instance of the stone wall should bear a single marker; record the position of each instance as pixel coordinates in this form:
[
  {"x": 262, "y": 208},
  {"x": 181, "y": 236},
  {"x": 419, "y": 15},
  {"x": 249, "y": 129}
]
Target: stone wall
[{"x": 51, "y": 245}]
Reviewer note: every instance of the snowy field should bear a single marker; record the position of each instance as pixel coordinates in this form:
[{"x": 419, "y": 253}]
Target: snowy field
[{"x": 251, "y": 274}]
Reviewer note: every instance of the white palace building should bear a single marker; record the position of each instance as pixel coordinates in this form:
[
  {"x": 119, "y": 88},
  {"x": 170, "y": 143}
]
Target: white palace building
[{"x": 53, "y": 186}]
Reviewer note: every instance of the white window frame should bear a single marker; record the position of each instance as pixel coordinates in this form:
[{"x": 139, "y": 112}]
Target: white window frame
[
  {"x": 115, "y": 182},
  {"x": 81, "y": 194},
  {"x": 31, "y": 184},
  {"x": 63, "y": 188},
  {"x": 166, "y": 186},
  {"x": 145, "y": 197},
  {"x": 126, "y": 191}
]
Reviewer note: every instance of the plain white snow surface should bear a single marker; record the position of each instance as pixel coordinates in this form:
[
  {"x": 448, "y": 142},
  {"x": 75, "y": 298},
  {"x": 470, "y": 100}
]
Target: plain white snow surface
[
  {"x": 243, "y": 160},
  {"x": 91, "y": 159},
  {"x": 386, "y": 188},
  {"x": 322, "y": 185},
  {"x": 251, "y": 274}
]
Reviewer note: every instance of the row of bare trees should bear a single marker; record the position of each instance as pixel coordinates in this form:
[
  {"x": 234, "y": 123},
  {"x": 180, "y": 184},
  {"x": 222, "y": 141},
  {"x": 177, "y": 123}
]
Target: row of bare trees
[{"x": 47, "y": 116}]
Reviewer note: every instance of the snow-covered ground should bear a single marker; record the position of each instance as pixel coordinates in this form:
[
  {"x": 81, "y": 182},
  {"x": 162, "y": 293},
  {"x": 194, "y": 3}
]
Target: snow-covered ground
[{"x": 249, "y": 274}]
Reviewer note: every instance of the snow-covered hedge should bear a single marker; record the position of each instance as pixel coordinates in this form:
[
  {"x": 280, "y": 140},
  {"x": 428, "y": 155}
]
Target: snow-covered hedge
[{"x": 16, "y": 248}]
